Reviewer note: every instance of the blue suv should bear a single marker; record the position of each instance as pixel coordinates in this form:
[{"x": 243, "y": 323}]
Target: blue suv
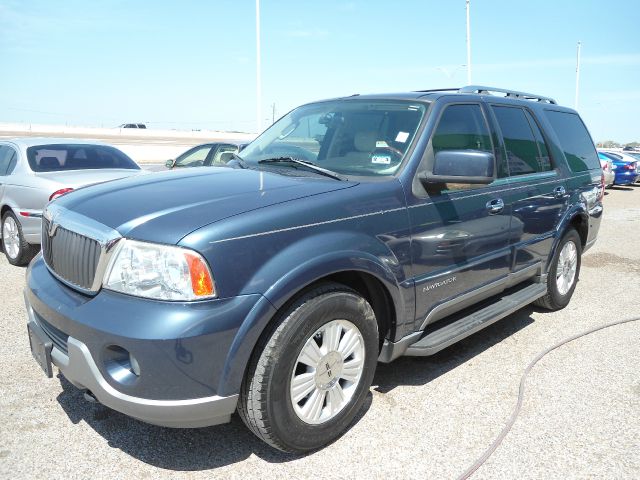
[{"x": 352, "y": 231}]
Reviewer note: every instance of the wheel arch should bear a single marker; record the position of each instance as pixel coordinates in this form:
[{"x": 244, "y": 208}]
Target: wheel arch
[{"x": 366, "y": 276}]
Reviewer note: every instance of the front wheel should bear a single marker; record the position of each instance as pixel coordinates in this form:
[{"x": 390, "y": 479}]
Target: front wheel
[
  {"x": 308, "y": 378},
  {"x": 563, "y": 272},
  {"x": 16, "y": 248}
]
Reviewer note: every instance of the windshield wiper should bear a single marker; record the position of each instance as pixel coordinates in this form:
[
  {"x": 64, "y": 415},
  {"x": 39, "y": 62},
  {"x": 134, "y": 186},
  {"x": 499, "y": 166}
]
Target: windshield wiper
[{"x": 304, "y": 163}]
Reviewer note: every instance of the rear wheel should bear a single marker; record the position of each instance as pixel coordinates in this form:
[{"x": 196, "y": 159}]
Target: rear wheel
[
  {"x": 16, "y": 249},
  {"x": 563, "y": 273},
  {"x": 310, "y": 375}
]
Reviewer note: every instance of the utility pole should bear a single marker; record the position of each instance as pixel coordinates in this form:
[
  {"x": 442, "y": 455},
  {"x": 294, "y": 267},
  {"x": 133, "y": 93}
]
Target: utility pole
[
  {"x": 468, "y": 46},
  {"x": 273, "y": 113},
  {"x": 578, "y": 74},
  {"x": 258, "y": 80}
]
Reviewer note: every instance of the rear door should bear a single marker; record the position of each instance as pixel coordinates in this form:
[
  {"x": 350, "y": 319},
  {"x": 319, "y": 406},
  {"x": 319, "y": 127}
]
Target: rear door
[
  {"x": 538, "y": 193},
  {"x": 460, "y": 232}
]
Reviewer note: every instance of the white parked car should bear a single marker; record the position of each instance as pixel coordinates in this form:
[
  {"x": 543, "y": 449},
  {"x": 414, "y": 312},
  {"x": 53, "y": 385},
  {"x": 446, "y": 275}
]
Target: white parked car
[{"x": 34, "y": 171}]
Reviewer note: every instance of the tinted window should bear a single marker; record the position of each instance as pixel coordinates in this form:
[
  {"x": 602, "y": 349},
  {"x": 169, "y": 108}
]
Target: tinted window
[
  {"x": 461, "y": 127},
  {"x": 522, "y": 147},
  {"x": 575, "y": 140},
  {"x": 544, "y": 159},
  {"x": 54, "y": 158}
]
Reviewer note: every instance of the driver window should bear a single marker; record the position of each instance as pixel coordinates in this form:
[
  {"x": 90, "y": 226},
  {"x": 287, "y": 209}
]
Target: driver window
[
  {"x": 194, "y": 158},
  {"x": 461, "y": 127}
]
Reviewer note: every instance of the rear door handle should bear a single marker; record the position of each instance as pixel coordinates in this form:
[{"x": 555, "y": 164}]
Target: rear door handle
[
  {"x": 559, "y": 191},
  {"x": 495, "y": 206}
]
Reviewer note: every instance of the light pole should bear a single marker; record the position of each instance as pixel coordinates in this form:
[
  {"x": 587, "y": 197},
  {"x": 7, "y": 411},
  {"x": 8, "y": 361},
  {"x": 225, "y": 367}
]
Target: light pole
[
  {"x": 577, "y": 74},
  {"x": 468, "y": 46},
  {"x": 258, "y": 80}
]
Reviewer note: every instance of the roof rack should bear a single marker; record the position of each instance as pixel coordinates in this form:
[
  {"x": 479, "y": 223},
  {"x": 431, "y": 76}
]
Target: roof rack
[
  {"x": 480, "y": 90},
  {"x": 508, "y": 93},
  {"x": 452, "y": 89}
]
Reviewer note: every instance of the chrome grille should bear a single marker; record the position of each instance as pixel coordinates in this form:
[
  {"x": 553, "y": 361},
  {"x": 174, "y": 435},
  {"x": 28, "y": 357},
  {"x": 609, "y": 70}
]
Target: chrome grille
[
  {"x": 71, "y": 256},
  {"x": 76, "y": 248}
]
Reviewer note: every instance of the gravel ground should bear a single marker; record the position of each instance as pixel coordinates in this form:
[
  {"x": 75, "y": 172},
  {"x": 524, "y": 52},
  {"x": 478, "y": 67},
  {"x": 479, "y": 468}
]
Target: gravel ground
[{"x": 425, "y": 418}]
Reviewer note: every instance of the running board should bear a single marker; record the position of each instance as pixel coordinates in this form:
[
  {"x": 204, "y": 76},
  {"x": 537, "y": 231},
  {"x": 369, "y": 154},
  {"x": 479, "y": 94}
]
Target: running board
[{"x": 451, "y": 333}]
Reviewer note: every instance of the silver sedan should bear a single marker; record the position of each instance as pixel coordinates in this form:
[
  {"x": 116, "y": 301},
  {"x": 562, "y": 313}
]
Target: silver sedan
[{"x": 34, "y": 171}]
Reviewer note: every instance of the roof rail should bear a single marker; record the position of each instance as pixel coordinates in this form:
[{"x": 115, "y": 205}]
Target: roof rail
[
  {"x": 508, "y": 93},
  {"x": 435, "y": 90}
]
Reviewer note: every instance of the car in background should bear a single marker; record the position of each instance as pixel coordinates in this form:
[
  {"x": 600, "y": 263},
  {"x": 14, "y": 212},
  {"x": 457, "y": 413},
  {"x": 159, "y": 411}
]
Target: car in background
[
  {"x": 132, "y": 125},
  {"x": 34, "y": 171},
  {"x": 635, "y": 154},
  {"x": 625, "y": 167},
  {"x": 205, "y": 155},
  {"x": 608, "y": 175}
]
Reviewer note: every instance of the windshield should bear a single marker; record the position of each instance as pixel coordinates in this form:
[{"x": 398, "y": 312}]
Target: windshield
[
  {"x": 350, "y": 137},
  {"x": 60, "y": 157}
]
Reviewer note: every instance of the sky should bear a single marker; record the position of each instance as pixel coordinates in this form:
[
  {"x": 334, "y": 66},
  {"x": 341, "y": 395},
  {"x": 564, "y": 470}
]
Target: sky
[{"x": 192, "y": 64}]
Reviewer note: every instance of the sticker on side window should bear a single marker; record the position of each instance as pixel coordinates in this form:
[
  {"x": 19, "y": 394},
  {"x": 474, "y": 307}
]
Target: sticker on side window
[{"x": 382, "y": 159}]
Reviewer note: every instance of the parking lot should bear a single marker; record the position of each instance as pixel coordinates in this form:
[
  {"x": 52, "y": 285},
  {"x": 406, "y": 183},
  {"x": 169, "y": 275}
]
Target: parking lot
[{"x": 425, "y": 417}]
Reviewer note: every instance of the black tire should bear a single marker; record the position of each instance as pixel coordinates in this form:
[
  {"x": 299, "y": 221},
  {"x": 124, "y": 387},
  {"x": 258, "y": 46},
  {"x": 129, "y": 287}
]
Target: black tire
[
  {"x": 265, "y": 403},
  {"x": 554, "y": 299},
  {"x": 26, "y": 251}
]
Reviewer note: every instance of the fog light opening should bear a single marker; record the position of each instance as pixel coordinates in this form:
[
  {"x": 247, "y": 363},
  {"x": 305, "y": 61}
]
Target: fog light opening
[{"x": 121, "y": 365}]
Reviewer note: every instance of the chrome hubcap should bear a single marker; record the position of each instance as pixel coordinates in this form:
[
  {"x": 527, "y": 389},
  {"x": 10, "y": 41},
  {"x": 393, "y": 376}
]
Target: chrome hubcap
[
  {"x": 327, "y": 372},
  {"x": 567, "y": 265},
  {"x": 11, "y": 237}
]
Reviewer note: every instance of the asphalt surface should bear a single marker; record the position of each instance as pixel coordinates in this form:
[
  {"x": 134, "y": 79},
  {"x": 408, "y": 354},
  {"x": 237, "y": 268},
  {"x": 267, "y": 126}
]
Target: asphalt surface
[{"x": 425, "y": 418}]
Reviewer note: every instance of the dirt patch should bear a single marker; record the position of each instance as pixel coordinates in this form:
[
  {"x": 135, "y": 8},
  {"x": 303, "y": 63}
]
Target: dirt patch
[{"x": 600, "y": 260}]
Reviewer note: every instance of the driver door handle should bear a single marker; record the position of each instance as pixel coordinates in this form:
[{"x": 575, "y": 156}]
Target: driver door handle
[{"x": 495, "y": 206}]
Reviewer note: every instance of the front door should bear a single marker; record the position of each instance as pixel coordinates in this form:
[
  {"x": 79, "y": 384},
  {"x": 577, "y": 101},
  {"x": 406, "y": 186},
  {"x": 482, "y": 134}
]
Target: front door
[{"x": 460, "y": 232}]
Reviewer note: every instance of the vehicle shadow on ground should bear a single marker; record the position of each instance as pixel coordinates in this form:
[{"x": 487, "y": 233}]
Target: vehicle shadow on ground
[
  {"x": 626, "y": 188},
  {"x": 213, "y": 447},
  {"x": 422, "y": 370},
  {"x": 173, "y": 448}
]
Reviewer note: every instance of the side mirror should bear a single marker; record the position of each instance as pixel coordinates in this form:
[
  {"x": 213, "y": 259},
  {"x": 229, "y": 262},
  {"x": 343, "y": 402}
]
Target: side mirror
[
  {"x": 169, "y": 163},
  {"x": 461, "y": 166}
]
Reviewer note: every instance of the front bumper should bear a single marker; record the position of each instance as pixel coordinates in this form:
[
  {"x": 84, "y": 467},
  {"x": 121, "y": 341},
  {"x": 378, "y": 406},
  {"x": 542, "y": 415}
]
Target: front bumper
[
  {"x": 188, "y": 362},
  {"x": 79, "y": 367}
]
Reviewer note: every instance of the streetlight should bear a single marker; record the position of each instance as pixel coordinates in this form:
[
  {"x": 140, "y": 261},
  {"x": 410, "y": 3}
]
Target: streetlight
[
  {"x": 258, "y": 80},
  {"x": 468, "y": 46},
  {"x": 577, "y": 73}
]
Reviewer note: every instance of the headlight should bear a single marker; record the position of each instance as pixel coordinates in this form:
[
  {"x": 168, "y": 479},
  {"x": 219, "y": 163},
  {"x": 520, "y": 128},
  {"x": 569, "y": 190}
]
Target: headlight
[{"x": 163, "y": 272}]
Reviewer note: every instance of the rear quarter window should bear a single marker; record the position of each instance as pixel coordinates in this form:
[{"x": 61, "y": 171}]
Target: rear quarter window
[{"x": 575, "y": 140}]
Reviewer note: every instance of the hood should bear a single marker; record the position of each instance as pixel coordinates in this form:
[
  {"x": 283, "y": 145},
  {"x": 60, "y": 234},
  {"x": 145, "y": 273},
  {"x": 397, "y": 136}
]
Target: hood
[
  {"x": 82, "y": 178},
  {"x": 165, "y": 206}
]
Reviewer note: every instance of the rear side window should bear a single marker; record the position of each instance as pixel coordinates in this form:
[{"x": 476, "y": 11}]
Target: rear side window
[
  {"x": 575, "y": 140},
  {"x": 61, "y": 157},
  {"x": 524, "y": 155}
]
